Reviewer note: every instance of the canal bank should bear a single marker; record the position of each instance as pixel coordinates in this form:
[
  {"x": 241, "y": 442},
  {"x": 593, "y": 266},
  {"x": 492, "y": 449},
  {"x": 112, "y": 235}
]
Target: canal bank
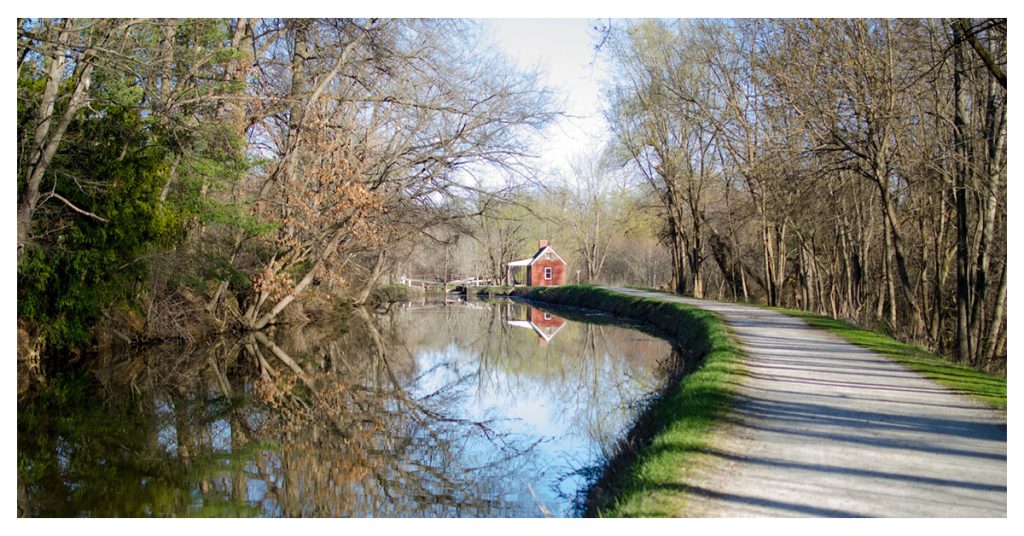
[{"x": 666, "y": 447}]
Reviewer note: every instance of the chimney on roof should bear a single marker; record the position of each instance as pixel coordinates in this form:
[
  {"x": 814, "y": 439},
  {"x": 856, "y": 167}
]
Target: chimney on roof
[{"x": 542, "y": 244}]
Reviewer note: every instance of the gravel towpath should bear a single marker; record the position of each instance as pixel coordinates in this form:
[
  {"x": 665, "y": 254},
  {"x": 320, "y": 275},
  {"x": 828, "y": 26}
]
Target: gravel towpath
[{"x": 826, "y": 428}]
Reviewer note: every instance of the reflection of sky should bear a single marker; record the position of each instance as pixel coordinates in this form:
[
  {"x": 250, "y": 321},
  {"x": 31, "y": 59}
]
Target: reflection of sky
[
  {"x": 553, "y": 410},
  {"x": 557, "y": 411}
]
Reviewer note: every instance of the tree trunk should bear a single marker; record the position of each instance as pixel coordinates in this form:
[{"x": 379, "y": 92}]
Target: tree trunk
[
  {"x": 695, "y": 260},
  {"x": 771, "y": 285},
  {"x": 263, "y": 321},
  {"x": 899, "y": 253},
  {"x": 237, "y": 72},
  {"x": 963, "y": 348},
  {"x": 996, "y": 333},
  {"x": 371, "y": 281},
  {"x": 728, "y": 262},
  {"x": 995, "y": 135},
  {"x": 678, "y": 249},
  {"x": 46, "y": 138},
  {"x": 780, "y": 260}
]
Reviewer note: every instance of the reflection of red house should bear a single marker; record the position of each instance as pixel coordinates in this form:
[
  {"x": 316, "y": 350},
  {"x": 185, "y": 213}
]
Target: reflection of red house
[
  {"x": 544, "y": 268},
  {"x": 545, "y": 324}
]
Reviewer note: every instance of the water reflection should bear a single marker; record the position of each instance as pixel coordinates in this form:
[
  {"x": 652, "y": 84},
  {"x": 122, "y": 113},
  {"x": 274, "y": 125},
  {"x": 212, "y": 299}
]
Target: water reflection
[
  {"x": 544, "y": 323},
  {"x": 425, "y": 410}
]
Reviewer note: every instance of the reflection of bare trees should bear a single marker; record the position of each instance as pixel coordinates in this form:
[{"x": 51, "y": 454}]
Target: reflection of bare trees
[
  {"x": 332, "y": 432},
  {"x": 349, "y": 422},
  {"x": 357, "y": 443}
]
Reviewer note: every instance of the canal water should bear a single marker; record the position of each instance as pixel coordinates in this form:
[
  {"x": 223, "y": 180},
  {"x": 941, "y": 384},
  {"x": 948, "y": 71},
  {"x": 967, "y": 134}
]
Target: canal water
[{"x": 477, "y": 409}]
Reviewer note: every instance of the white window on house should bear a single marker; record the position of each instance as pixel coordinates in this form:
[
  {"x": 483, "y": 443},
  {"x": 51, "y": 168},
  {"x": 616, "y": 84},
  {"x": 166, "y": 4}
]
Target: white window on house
[
  {"x": 547, "y": 316},
  {"x": 547, "y": 272}
]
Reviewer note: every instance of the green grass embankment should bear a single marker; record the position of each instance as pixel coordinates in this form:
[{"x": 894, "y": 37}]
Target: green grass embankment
[
  {"x": 988, "y": 388},
  {"x": 392, "y": 293},
  {"x": 647, "y": 478},
  {"x": 498, "y": 290}
]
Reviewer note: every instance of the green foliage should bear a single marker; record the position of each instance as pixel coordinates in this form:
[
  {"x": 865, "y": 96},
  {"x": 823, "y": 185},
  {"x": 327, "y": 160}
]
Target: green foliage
[
  {"x": 29, "y": 88},
  {"x": 674, "y": 431},
  {"x": 391, "y": 294},
  {"x": 498, "y": 290},
  {"x": 115, "y": 160},
  {"x": 79, "y": 264},
  {"x": 222, "y": 270},
  {"x": 988, "y": 388}
]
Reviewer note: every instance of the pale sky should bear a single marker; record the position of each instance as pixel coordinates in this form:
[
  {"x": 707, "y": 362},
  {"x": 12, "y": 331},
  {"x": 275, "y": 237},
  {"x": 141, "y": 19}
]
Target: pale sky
[{"x": 563, "y": 50}]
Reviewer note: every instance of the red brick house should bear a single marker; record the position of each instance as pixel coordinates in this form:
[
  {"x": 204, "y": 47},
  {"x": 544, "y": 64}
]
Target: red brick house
[{"x": 544, "y": 268}]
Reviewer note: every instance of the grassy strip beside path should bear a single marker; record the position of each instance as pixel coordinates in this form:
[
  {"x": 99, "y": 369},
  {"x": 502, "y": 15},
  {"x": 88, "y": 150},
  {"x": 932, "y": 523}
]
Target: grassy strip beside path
[
  {"x": 989, "y": 388},
  {"x": 647, "y": 481}
]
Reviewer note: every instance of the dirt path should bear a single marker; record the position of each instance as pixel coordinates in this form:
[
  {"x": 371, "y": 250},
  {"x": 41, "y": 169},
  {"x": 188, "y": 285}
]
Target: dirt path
[{"x": 826, "y": 428}]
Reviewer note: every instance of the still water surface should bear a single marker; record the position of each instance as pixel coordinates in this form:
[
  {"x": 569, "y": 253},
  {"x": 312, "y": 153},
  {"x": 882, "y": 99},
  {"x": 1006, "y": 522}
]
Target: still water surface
[{"x": 475, "y": 409}]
